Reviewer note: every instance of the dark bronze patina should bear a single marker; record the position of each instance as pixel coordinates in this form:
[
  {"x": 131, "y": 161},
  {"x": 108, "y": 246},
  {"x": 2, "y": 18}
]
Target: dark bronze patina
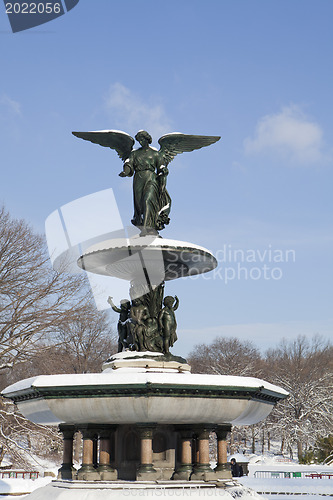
[
  {"x": 152, "y": 202},
  {"x": 148, "y": 322}
]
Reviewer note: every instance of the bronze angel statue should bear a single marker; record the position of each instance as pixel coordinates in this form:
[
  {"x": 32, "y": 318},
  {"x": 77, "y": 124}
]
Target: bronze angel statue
[{"x": 152, "y": 202}]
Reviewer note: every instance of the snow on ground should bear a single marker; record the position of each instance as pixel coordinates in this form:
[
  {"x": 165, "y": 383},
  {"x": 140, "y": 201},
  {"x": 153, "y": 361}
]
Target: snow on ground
[
  {"x": 299, "y": 486},
  {"x": 270, "y": 489},
  {"x": 261, "y": 470},
  {"x": 275, "y": 477},
  {"x": 16, "y": 486},
  {"x": 266, "y": 467},
  {"x": 13, "y": 486},
  {"x": 115, "y": 491}
]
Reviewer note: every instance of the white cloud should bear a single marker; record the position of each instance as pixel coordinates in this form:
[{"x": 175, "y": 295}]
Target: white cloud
[
  {"x": 9, "y": 107},
  {"x": 290, "y": 134},
  {"x": 131, "y": 113}
]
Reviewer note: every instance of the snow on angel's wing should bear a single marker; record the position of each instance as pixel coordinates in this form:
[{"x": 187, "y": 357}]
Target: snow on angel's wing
[
  {"x": 176, "y": 143},
  {"x": 114, "y": 139}
]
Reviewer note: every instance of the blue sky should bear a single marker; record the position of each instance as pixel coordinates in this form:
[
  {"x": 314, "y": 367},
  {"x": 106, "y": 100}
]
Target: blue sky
[{"x": 259, "y": 74}]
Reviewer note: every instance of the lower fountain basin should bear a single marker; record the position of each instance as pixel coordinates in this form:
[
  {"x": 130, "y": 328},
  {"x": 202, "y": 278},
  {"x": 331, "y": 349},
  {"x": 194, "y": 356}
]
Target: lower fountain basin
[{"x": 129, "y": 396}]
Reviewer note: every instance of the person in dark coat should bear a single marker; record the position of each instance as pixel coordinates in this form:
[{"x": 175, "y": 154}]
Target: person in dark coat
[{"x": 236, "y": 469}]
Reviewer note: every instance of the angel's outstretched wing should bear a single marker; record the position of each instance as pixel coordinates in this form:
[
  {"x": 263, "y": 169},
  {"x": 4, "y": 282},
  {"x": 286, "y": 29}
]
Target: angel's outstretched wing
[
  {"x": 114, "y": 139},
  {"x": 175, "y": 143}
]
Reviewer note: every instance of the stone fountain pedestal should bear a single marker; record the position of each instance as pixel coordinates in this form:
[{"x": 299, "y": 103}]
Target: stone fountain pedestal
[
  {"x": 146, "y": 417},
  {"x": 116, "y": 490}
]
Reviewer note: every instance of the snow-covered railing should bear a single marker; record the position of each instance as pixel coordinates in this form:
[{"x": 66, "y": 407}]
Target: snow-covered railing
[
  {"x": 284, "y": 474},
  {"x": 8, "y": 474},
  {"x": 320, "y": 476}
]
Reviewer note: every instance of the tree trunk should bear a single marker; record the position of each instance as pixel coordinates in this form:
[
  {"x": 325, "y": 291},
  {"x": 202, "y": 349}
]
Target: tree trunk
[
  {"x": 299, "y": 449},
  {"x": 253, "y": 448},
  {"x": 282, "y": 446},
  {"x": 263, "y": 442},
  {"x": 232, "y": 441},
  {"x": 2, "y": 453}
]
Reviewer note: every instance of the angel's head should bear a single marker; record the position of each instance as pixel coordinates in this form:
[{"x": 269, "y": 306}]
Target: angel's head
[{"x": 143, "y": 137}]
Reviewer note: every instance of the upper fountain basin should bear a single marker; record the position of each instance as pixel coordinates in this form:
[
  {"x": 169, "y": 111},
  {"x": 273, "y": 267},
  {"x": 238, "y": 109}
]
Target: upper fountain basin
[{"x": 132, "y": 258}]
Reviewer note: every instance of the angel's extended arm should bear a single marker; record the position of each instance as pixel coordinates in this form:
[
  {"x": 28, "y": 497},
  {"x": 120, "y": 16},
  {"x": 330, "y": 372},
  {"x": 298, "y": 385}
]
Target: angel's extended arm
[
  {"x": 175, "y": 307},
  {"x": 128, "y": 168},
  {"x": 114, "y": 307}
]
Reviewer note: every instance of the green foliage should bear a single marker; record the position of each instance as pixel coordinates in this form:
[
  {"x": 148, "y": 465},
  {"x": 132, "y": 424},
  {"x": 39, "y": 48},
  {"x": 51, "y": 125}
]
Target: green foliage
[
  {"x": 322, "y": 450},
  {"x": 308, "y": 457}
]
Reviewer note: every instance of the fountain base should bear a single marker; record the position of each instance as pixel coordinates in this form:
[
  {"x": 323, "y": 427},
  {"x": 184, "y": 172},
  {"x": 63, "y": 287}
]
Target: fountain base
[{"x": 90, "y": 490}]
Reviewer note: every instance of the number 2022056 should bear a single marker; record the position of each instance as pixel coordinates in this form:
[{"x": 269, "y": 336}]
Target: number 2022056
[{"x": 33, "y": 8}]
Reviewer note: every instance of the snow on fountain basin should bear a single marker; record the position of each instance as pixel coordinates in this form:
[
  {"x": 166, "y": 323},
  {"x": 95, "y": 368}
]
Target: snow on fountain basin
[{"x": 137, "y": 395}]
